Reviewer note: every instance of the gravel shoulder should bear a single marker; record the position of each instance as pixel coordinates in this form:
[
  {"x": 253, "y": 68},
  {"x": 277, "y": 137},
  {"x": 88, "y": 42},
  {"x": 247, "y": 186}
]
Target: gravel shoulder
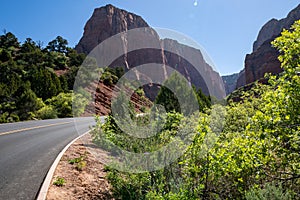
[{"x": 84, "y": 179}]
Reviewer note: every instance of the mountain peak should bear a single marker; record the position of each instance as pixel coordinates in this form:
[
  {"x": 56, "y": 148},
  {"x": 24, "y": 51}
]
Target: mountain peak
[
  {"x": 105, "y": 22},
  {"x": 274, "y": 27},
  {"x": 108, "y": 21}
]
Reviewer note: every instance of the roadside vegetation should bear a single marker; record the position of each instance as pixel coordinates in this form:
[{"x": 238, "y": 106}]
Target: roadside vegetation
[
  {"x": 243, "y": 150},
  {"x": 59, "y": 182},
  {"x": 79, "y": 162},
  {"x": 252, "y": 150},
  {"x": 36, "y": 82}
]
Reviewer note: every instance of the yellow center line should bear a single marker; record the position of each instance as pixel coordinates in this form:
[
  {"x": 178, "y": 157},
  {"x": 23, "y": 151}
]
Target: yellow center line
[{"x": 36, "y": 127}]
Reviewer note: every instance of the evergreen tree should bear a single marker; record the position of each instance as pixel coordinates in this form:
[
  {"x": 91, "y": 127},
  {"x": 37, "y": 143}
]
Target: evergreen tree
[
  {"x": 59, "y": 44},
  {"x": 176, "y": 89}
]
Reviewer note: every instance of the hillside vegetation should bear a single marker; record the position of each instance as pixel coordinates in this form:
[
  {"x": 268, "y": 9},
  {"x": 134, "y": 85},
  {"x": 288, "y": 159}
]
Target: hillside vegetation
[
  {"x": 246, "y": 150},
  {"x": 30, "y": 87}
]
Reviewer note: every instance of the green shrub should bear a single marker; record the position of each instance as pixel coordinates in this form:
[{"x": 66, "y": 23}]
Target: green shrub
[
  {"x": 81, "y": 165},
  {"x": 79, "y": 162},
  {"x": 46, "y": 112},
  {"x": 269, "y": 192},
  {"x": 59, "y": 182}
]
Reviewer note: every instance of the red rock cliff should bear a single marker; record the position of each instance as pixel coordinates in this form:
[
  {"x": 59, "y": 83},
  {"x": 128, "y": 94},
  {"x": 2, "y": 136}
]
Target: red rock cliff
[
  {"x": 109, "y": 20},
  {"x": 264, "y": 57}
]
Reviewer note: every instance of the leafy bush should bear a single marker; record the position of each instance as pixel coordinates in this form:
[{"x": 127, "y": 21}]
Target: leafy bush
[
  {"x": 9, "y": 118},
  {"x": 62, "y": 104},
  {"x": 46, "y": 112},
  {"x": 80, "y": 101},
  {"x": 110, "y": 76},
  {"x": 269, "y": 192}
]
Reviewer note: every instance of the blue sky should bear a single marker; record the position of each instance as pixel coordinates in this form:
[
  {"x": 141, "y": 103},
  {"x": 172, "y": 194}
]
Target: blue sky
[{"x": 225, "y": 28}]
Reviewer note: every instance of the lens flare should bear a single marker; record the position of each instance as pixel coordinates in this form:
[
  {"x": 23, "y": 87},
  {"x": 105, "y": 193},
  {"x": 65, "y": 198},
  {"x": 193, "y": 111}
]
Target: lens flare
[{"x": 196, "y": 3}]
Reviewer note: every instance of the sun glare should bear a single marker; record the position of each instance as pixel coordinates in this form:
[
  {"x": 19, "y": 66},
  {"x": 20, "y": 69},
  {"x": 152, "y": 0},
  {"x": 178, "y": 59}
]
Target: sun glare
[{"x": 196, "y": 3}]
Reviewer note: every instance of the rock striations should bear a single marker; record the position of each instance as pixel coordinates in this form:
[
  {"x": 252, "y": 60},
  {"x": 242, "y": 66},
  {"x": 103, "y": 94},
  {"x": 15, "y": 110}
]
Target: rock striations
[
  {"x": 108, "y": 21},
  {"x": 263, "y": 60},
  {"x": 104, "y": 23}
]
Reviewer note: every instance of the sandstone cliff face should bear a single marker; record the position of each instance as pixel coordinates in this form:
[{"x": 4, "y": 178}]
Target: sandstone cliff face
[
  {"x": 271, "y": 29},
  {"x": 264, "y": 60},
  {"x": 108, "y": 21},
  {"x": 274, "y": 27},
  {"x": 230, "y": 82},
  {"x": 264, "y": 57},
  {"x": 105, "y": 22},
  {"x": 193, "y": 66},
  {"x": 241, "y": 81}
]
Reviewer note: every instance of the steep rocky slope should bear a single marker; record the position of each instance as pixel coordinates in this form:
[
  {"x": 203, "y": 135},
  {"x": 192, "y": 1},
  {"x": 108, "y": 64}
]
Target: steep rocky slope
[
  {"x": 230, "y": 82},
  {"x": 274, "y": 27},
  {"x": 264, "y": 60},
  {"x": 105, "y": 22},
  {"x": 103, "y": 99},
  {"x": 241, "y": 80},
  {"x": 108, "y": 21},
  {"x": 264, "y": 57}
]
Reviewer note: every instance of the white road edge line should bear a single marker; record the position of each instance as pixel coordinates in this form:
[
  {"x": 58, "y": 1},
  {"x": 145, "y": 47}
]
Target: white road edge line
[{"x": 44, "y": 189}]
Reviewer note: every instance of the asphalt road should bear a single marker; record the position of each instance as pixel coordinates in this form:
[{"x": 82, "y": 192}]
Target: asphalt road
[{"x": 28, "y": 149}]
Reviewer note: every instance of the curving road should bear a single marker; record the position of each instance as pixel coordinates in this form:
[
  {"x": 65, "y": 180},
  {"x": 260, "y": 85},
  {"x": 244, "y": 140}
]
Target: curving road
[{"x": 28, "y": 149}]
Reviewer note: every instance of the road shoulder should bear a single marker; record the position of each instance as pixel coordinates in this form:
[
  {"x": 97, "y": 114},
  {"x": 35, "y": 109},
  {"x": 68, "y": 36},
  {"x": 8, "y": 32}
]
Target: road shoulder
[{"x": 84, "y": 179}]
